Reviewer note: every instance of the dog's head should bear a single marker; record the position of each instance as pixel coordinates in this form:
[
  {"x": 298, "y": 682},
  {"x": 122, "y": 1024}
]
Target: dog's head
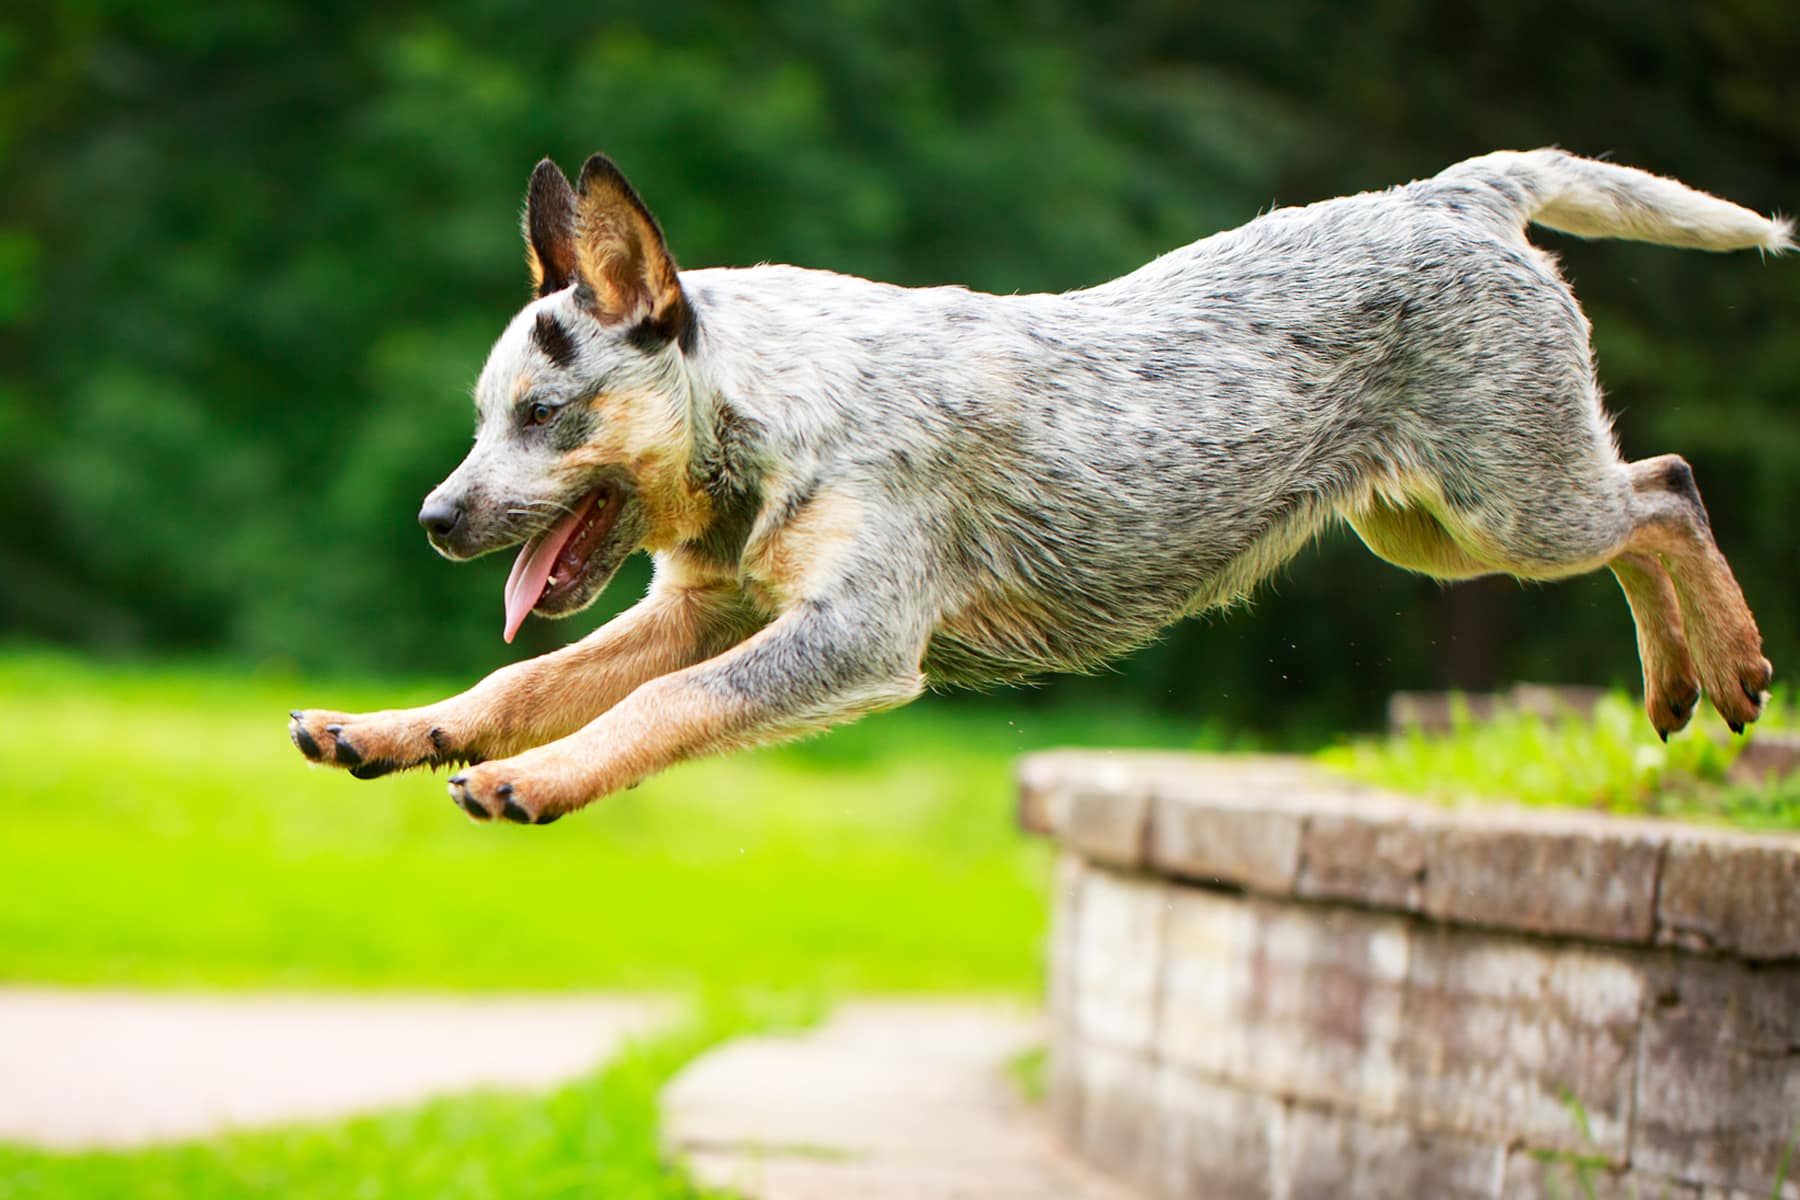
[{"x": 583, "y": 428}]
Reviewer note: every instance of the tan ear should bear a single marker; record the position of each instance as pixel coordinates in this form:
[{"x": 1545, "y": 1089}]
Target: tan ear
[
  {"x": 550, "y": 229},
  {"x": 626, "y": 272}
]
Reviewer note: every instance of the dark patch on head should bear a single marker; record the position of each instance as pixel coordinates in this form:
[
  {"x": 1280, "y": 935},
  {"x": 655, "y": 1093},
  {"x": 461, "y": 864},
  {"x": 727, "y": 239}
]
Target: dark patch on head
[
  {"x": 554, "y": 340},
  {"x": 573, "y": 427},
  {"x": 674, "y": 323}
]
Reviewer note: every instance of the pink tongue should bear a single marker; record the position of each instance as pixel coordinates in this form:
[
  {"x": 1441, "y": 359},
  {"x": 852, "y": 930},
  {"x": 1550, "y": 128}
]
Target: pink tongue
[{"x": 531, "y": 570}]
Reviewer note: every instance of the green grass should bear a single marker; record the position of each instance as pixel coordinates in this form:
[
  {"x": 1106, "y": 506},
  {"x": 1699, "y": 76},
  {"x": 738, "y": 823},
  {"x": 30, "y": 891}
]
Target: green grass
[
  {"x": 160, "y": 830},
  {"x": 1613, "y": 762}
]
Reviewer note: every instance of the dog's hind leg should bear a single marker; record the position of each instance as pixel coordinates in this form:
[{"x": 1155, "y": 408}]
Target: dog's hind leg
[
  {"x": 1671, "y": 525},
  {"x": 1671, "y": 680}
]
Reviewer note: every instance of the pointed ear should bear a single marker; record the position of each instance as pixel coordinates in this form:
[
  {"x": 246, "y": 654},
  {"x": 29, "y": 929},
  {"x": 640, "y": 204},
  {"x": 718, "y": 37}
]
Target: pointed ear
[
  {"x": 550, "y": 229},
  {"x": 627, "y": 274}
]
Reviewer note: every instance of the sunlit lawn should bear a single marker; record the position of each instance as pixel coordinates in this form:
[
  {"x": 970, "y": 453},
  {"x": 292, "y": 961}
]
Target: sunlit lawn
[{"x": 159, "y": 830}]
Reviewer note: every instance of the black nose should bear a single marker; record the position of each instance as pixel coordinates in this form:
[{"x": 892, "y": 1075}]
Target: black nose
[{"x": 441, "y": 517}]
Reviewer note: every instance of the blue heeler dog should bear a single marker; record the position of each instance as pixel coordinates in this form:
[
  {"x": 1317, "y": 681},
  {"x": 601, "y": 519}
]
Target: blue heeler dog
[{"x": 852, "y": 490}]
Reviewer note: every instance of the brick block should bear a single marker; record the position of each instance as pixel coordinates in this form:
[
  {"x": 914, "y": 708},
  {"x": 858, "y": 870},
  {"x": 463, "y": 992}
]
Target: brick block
[
  {"x": 1215, "y": 1141},
  {"x": 1214, "y": 835},
  {"x": 1119, "y": 1130},
  {"x": 1502, "y": 1033},
  {"x": 1065, "y": 943},
  {"x": 1332, "y": 1155},
  {"x": 1286, "y": 999},
  {"x": 1118, "y": 959},
  {"x": 1374, "y": 856},
  {"x": 1733, "y": 892},
  {"x": 1545, "y": 872},
  {"x": 1719, "y": 1084},
  {"x": 1542, "y": 1175}
]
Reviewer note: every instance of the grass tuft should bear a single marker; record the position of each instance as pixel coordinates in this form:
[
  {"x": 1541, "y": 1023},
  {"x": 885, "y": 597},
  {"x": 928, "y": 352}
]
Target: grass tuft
[{"x": 1612, "y": 762}]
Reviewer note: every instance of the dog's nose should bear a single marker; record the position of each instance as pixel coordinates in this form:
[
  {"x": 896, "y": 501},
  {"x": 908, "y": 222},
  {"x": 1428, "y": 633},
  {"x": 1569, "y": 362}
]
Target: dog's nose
[{"x": 440, "y": 516}]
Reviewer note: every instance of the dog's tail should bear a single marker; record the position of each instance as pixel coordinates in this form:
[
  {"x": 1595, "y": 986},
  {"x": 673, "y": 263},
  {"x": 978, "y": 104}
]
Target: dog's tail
[{"x": 1593, "y": 199}]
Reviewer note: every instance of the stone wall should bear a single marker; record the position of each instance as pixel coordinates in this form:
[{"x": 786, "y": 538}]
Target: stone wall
[{"x": 1268, "y": 983}]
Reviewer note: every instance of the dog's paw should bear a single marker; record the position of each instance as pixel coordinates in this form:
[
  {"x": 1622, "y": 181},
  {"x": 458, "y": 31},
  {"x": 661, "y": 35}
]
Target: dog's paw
[
  {"x": 503, "y": 790},
  {"x": 1670, "y": 705},
  {"x": 1739, "y": 695},
  {"x": 373, "y": 745}
]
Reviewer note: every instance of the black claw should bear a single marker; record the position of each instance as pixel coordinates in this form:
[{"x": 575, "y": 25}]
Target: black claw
[
  {"x": 1755, "y": 694},
  {"x": 294, "y": 713},
  {"x": 1737, "y": 727},
  {"x": 304, "y": 740},
  {"x": 510, "y": 809},
  {"x": 347, "y": 754},
  {"x": 549, "y": 818},
  {"x": 1664, "y": 735}
]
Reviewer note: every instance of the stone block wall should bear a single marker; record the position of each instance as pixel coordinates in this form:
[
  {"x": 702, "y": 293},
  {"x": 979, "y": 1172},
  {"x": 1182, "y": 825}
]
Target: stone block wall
[{"x": 1267, "y": 983}]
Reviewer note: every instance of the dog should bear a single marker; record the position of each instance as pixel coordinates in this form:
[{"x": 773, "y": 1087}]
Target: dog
[{"x": 853, "y": 490}]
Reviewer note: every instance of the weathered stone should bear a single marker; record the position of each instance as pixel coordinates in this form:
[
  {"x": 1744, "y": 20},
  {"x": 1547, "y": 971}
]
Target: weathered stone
[
  {"x": 1219, "y": 834},
  {"x": 1733, "y": 892},
  {"x": 1545, "y": 872},
  {"x": 1438, "y": 712},
  {"x": 1330, "y": 1155},
  {"x": 1118, "y": 959},
  {"x": 1286, "y": 999},
  {"x": 1719, "y": 1082},
  {"x": 1096, "y": 805},
  {"x": 1119, "y": 1127},
  {"x": 1771, "y": 754},
  {"x": 1037, "y": 777},
  {"x": 1216, "y": 1142},
  {"x": 1568, "y": 1175},
  {"x": 1375, "y": 857},
  {"x": 1065, "y": 923},
  {"x": 1504, "y": 1037}
]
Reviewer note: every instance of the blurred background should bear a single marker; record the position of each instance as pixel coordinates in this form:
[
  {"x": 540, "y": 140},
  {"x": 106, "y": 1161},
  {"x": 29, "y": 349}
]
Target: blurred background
[{"x": 252, "y": 256}]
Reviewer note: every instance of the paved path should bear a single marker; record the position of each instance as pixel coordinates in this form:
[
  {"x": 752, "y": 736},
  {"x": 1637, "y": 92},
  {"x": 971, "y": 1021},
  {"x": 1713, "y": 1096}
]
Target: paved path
[
  {"x": 885, "y": 1101},
  {"x": 86, "y": 1068}
]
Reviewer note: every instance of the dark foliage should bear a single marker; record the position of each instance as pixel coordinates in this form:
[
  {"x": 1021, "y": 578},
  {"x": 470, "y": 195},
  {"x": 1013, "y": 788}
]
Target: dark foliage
[{"x": 251, "y": 256}]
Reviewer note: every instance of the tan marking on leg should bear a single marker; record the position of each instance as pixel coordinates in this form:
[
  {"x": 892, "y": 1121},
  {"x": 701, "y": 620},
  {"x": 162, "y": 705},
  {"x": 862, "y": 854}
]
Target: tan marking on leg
[
  {"x": 1671, "y": 680},
  {"x": 544, "y": 698},
  {"x": 670, "y": 719},
  {"x": 1715, "y": 616}
]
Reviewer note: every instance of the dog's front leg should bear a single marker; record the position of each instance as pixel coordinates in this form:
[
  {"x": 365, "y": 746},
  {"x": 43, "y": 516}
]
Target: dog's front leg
[
  {"x": 531, "y": 702},
  {"x": 813, "y": 667}
]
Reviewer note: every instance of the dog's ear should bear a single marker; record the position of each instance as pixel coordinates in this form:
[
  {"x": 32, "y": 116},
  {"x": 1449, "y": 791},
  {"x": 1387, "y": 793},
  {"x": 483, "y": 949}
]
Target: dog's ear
[
  {"x": 627, "y": 275},
  {"x": 550, "y": 229}
]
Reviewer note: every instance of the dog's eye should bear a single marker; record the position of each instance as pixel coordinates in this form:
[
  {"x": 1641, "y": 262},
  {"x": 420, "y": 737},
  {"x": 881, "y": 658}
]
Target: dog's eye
[{"x": 538, "y": 413}]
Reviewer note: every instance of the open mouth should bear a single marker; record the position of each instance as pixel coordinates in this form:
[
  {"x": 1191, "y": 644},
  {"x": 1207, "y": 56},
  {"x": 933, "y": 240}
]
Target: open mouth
[{"x": 550, "y": 567}]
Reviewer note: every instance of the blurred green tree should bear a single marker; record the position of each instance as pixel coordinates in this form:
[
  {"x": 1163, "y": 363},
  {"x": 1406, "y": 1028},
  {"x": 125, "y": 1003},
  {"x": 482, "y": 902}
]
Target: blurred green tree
[{"x": 251, "y": 257}]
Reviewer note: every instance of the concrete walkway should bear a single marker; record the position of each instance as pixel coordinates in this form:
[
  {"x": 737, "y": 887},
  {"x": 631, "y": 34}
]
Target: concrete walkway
[
  {"x": 87, "y": 1068},
  {"x": 885, "y": 1101}
]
